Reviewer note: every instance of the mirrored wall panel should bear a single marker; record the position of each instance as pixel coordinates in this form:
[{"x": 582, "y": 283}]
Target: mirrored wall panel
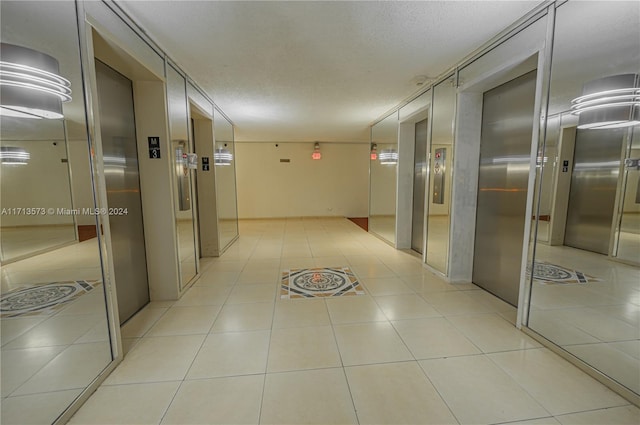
[
  {"x": 440, "y": 173},
  {"x": 585, "y": 293},
  {"x": 55, "y": 338},
  {"x": 225, "y": 166},
  {"x": 383, "y": 178},
  {"x": 183, "y": 185}
]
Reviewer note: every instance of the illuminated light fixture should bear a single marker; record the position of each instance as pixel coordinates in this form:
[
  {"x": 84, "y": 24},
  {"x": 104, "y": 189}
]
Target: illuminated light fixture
[
  {"x": 609, "y": 102},
  {"x": 222, "y": 156},
  {"x": 316, "y": 152},
  {"x": 388, "y": 156},
  {"x": 541, "y": 160},
  {"x": 30, "y": 86},
  {"x": 374, "y": 151},
  {"x": 13, "y": 156}
]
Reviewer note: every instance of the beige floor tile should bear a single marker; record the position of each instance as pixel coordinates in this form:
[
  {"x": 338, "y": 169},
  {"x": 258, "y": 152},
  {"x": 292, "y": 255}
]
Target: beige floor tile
[
  {"x": 557, "y": 385},
  {"x": 478, "y": 391},
  {"x": 214, "y": 277},
  {"x": 55, "y": 330},
  {"x": 612, "y": 362},
  {"x": 455, "y": 302},
  {"x": 426, "y": 283},
  {"x": 311, "y": 347},
  {"x": 230, "y": 354},
  {"x": 244, "y": 317},
  {"x": 14, "y": 327},
  {"x": 73, "y": 368},
  {"x": 307, "y": 397},
  {"x": 368, "y": 343},
  {"x": 540, "y": 421},
  {"x": 127, "y": 404},
  {"x": 386, "y": 286},
  {"x": 204, "y": 295},
  {"x": 20, "y": 365},
  {"x": 354, "y": 309},
  {"x": 155, "y": 359},
  {"x": 331, "y": 261},
  {"x": 225, "y": 266},
  {"x": 185, "y": 321},
  {"x": 21, "y": 411},
  {"x": 141, "y": 322},
  {"x": 372, "y": 270},
  {"x": 407, "y": 306},
  {"x": 626, "y": 415},
  {"x": 252, "y": 293},
  {"x": 299, "y": 313},
  {"x": 258, "y": 276},
  {"x": 396, "y": 393},
  {"x": 434, "y": 337},
  {"x": 232, "y": 400},
  {"x": 492, "y": 333}
]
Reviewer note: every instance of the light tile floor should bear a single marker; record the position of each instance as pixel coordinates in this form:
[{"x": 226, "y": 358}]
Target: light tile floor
[{"x": 413, "y": 350}]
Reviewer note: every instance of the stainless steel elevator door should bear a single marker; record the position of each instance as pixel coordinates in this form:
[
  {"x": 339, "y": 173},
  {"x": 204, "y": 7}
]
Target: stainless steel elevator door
[
  {"x": 505, "y": 146},
  {"x": 419, "y": 184},
  {"x": 122, "y": 177},
  {"x": 594, "y": 180}
]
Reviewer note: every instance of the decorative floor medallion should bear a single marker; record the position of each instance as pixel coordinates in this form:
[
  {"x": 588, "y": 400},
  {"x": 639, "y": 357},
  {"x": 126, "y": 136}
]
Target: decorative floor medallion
[
  {"x": 551, "y": 274},
  {"x": 319, "y": 282},
  {"x": 43, "y": 299}
]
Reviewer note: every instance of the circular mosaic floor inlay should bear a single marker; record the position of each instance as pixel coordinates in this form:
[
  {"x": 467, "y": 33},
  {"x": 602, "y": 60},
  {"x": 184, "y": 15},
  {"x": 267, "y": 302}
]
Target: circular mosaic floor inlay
[
  {"x": 549, "y": 271},
  {"x": 36, "y": 298},
  {"x": 325, "y": 280}
]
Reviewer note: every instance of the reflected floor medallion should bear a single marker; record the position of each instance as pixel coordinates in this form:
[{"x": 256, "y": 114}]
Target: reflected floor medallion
[
  {"x": 551, "y": 274},
  {"x": 43, "y": 299}
]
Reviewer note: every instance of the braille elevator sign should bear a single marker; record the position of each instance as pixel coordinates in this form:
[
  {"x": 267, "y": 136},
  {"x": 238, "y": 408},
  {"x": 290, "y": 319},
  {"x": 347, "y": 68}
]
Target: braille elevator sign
[
  {"x": 205, "y": 163},
  {"x": 154, "y": 147}
]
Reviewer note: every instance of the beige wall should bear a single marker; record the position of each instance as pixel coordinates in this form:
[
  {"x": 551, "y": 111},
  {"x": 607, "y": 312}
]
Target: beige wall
[{"x": 336, "y": 185}]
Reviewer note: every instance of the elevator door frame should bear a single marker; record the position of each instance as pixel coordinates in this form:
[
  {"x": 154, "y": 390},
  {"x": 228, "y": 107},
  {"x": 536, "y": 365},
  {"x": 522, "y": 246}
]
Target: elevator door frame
[
  {"x": 129, "y": 288},
  {"x": 501, "y": 205}
]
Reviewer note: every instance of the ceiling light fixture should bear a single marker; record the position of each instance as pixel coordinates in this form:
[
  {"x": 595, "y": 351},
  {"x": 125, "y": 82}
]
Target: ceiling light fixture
[
  {"x": 14, "y": 156},
  {"x": 388, "y": 156},
  {"x": 30, "y": 86},
  {"x": 609, "y": 102},
  {"x": 316, "y": 151},
  {"x": 222, "y": 156}
]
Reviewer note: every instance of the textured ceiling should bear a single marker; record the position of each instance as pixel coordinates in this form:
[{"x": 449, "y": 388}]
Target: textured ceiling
[{"x": 304, "y": 71}]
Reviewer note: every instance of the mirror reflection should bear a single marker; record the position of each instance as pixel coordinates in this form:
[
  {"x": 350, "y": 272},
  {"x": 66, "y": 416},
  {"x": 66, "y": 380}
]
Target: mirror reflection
[
  {"x": 441, "y": 157},
  {"x": 383, "y": 177},
  {"x": 225, "y": 166},
  {"x": 586, "y": 273},
  {"x": 185, "y": 204},
  {"x": 55, "y": 337}
]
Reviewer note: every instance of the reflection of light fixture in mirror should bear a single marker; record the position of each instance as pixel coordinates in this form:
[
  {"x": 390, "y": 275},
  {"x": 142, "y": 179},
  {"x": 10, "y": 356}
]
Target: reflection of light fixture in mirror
[
  {"x": 388, "y": 156},
  {"x": 374, "y": 151},
  {"x": 10, "y": 155},
  {"x": 609, "y": 102},
  {"x": 222, "y": 156},
  {"x": 30, "y": 86},
  {"x": 540, "y": 160},
  {"x": 316, "y": 152}
]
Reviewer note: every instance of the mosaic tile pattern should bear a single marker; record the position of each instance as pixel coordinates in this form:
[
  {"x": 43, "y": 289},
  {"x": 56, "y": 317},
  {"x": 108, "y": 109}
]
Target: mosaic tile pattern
[
  {"x": 43, "y": 299},
  {"x": 552, "y": 274},
  {"x": 319, "y": 282}
]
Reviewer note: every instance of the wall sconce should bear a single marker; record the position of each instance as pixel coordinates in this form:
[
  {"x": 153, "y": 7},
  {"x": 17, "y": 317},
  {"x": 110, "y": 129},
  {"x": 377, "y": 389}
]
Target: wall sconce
[
  {"x": 30, "y": 86},
  {"x": 222, "y": 156},
  {"x": 13, "y": 156},
  {"x": 388, "y": 156},
  {"x": 609, "y": 102},
  {"x": 374, "y": 151},
  {"x": 316, "y": 151}
]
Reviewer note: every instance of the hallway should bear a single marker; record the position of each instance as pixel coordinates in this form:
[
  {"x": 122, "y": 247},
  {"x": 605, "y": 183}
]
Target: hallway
[{"x": 413, "y": 349}]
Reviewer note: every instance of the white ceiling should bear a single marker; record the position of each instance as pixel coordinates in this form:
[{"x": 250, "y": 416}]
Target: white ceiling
[{"x": 305, "y": 71}]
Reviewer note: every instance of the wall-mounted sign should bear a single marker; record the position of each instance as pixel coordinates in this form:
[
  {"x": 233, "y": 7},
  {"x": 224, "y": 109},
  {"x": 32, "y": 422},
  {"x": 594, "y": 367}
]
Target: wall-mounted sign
[
  {"x": 154, "y": 147},
  {"x": 205, "y": 163},
  {"x": 192, "y": 161}
]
